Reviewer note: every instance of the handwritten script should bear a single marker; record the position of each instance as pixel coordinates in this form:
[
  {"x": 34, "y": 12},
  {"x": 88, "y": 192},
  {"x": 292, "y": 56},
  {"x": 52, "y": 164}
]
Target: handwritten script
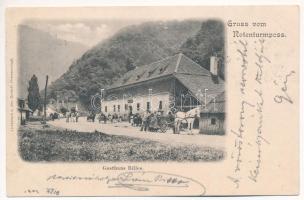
[
  {"x": 139, "y": 181},
  {"x": 249, "y": 135},
  {"x": 284, "y": 95}
]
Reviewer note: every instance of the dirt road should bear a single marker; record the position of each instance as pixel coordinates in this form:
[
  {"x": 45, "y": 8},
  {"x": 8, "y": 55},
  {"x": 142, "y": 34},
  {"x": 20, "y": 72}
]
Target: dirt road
[{"x": 124, "y": 128}]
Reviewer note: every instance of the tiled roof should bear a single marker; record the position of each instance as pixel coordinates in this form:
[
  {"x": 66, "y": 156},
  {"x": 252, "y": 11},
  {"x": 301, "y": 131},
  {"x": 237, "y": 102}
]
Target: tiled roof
[
  {"x": 178, "y": 63},
  {"x": 198, "y": 83},
  {"x": 147, "y": 72},
  {"x": 193, "y": 76}
]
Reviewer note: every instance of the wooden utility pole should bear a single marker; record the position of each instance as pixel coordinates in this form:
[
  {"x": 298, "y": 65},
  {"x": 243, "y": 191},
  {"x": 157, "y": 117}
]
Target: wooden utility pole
[{"x": 46, "y": 83}]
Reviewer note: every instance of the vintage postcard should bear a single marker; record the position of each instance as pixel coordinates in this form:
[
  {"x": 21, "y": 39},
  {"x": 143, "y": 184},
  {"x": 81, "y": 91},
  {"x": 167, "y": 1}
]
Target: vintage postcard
[{"x": 152, "y": 101}]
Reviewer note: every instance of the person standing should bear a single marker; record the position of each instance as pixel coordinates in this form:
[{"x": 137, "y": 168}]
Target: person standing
[
  {"x": 67, "y": 114},
  {"x": 104, "y": 119},
  {"x": 77, "y": 116},
  {"x": 132, "y": 119},
  {"x": 145, "y": 123}
]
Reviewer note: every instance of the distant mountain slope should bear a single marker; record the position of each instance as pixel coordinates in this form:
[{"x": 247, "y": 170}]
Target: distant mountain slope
[
  {"x": 136, "y": 46},
  {"x": 38, "y": 51},
  {"x": 209, "y": 41},
  {"x": 132, "y": 46}
]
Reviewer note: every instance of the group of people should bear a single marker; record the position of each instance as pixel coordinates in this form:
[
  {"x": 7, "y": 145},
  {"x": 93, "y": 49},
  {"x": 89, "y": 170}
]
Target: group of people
[
  {"x": 113, "y": 118},
  {"x": 148, "y": 121},
  {"x": 72, "y": 116}
]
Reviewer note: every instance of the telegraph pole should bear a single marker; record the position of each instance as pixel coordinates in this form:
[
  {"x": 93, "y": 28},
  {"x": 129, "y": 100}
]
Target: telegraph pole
[
  {"x": 46, "y": 83},
  {"x": 206, "y": 98},
  {"x": 150, "y": 100},
  {"x": 101, "y": 98}
]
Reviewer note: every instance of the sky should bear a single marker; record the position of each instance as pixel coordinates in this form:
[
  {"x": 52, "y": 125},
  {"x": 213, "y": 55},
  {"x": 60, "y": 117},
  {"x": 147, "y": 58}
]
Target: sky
[{"x": 88, "y": 33}]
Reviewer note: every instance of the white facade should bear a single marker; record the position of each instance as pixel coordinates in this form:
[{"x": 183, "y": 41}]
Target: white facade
[{"x": 138, "y": 104}]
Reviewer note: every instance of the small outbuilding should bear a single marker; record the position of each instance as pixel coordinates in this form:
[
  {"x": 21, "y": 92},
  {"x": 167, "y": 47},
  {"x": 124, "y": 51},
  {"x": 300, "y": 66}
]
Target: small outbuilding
[
  {"x": 212, "y": 117},
  {"x": 24, "y": 111}
]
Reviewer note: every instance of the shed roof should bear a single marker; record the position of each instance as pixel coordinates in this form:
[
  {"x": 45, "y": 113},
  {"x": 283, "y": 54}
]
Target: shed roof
[
  {"x": 216, "y": 107},
  {"x": 196, "y": 84}
]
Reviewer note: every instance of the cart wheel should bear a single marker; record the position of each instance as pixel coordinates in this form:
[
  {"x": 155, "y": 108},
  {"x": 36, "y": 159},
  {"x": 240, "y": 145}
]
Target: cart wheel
[{"x": 163, "y": 127}]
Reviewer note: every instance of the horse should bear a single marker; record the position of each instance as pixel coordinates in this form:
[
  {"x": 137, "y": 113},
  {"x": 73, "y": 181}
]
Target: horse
[
  {"x": 110, "y": 118},
  {"x": 91, "y": 117},
  {"x": 54, "y": 116},
  {"x": 191, "y": 115},
  {"x": 185, "y": 118},
  {"x": 73, "y": 117},
  {"x": 102, "y": 117},
  {"x": 115, "y": 118}
]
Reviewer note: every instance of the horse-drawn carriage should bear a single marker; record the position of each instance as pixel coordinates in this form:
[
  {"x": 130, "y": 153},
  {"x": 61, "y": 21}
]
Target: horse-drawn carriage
[
  {"x": 102, "y": 118},
  {"x": 179, "y": 121},
  {"x": 112, "y": 118},
  {"x": 185, "y": 120},
  {"x": 162, "y": 123},
  {"x": 54, "y": 116}
]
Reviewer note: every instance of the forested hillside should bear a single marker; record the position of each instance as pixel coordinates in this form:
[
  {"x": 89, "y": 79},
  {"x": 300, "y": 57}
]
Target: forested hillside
[{"x": 138, "y": 45}]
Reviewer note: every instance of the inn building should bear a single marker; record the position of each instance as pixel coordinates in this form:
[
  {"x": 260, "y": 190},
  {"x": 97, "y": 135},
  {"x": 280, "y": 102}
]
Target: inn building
[{"x": 173, "y": 83}]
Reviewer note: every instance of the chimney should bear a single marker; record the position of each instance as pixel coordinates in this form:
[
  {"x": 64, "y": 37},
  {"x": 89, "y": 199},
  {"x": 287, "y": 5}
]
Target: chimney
[{"x": 214, "y": 61}]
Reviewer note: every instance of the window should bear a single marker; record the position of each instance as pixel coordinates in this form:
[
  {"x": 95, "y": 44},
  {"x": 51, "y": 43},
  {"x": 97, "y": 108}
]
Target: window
[
  {"x": 138, "y": 106},
  {"x": 160, "y": 105},
  {"x": 148, "y": 106},
  {"x": 140, "y": 75},
  {"x": 126, "y": 79},
  {"x": 118, "y": 108},
  {"x": 213, "y": 121},
  {"x": 126, "y": 106},
  {"x": 162, "y": 69},
  {"x": 114, "y": 108},
  {"x": 106, "y": 108},
  {"x": 152, "y": 71}
]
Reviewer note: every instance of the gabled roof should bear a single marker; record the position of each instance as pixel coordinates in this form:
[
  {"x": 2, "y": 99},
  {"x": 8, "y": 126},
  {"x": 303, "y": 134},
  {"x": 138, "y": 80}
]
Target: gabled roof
[
  {"x": 193, "y": 76},
  {"x": 25, "y": 108},
  {"x": 178, "y": 63}
]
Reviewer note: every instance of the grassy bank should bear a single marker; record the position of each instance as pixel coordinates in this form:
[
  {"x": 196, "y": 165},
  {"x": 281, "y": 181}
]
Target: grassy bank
[{"x": 50, "y": 144}]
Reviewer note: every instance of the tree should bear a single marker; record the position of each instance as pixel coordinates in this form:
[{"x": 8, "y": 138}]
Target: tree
[
  {"x": 63, "y": 110},
  {"x": 33, "y": 94},
  {"x": 209, "y": 41},
  {"x": 129, "y": 64}
]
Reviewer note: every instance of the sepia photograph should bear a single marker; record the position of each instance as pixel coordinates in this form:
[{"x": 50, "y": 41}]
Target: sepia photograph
[
  {"x": 152, "y": 100},
  {"x": 121, "y": 90}
]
